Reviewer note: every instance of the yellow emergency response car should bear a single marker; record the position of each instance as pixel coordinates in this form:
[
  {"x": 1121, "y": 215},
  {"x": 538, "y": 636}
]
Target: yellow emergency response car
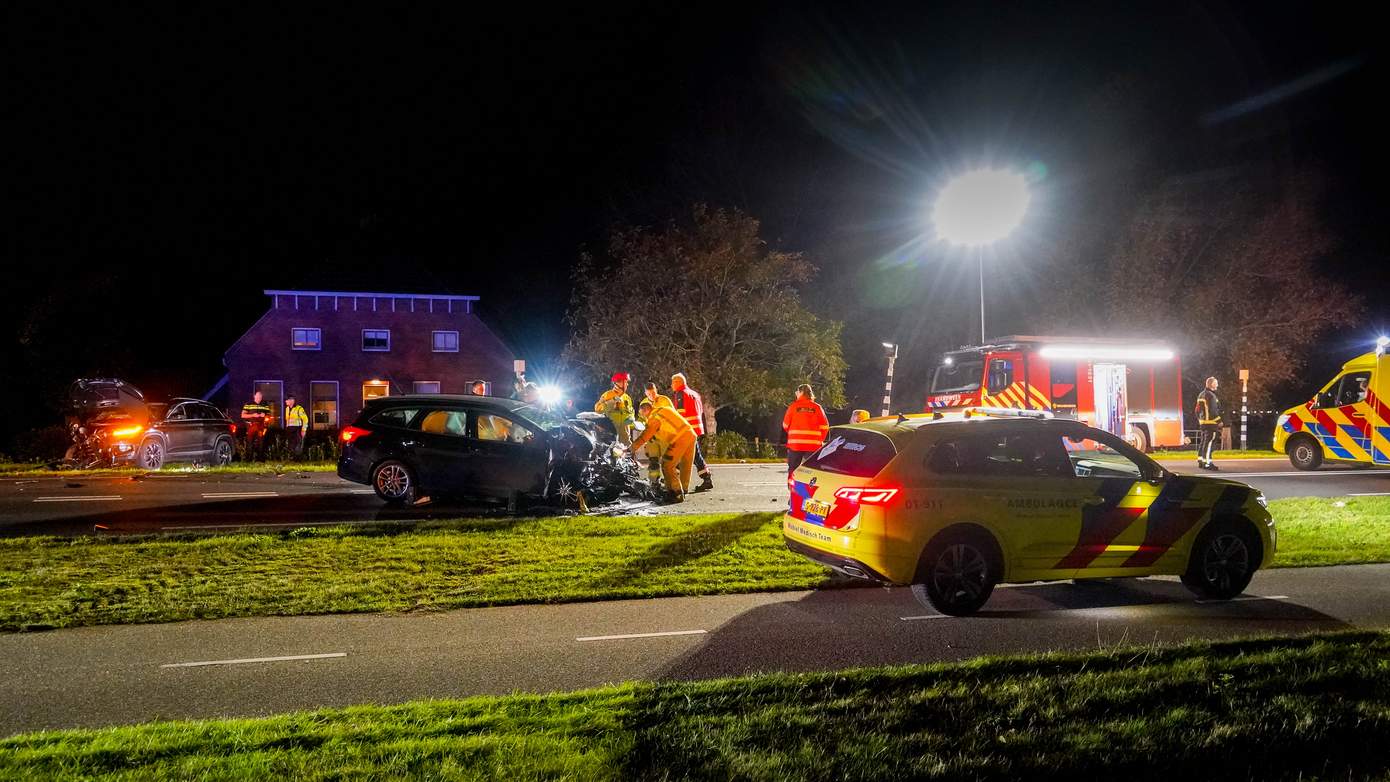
[
  {"x": 1347, "y": 421},
  {"x": 953, "y": 507}
]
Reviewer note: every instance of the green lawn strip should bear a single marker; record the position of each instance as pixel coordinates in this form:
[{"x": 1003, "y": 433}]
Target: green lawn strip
[
  {"x": 53, "y": 582},
  {"x": 1316, "y": 707},
  {"x": 1184, "y": 456},
  {"x": 25, "y": 470},
  {"x": 1331, "y": 530},
  {"x": 63, "y": 582}
]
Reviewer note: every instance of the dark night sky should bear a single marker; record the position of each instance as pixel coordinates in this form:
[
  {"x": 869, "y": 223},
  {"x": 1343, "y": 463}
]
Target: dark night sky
[{"x": 167, "y": 169}]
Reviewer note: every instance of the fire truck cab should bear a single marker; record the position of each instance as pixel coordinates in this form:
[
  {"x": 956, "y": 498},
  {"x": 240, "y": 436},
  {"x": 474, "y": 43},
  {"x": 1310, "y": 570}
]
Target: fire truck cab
[
  {"x": 1130, "y": 388},
  {"x": 1347, "y": 421}
]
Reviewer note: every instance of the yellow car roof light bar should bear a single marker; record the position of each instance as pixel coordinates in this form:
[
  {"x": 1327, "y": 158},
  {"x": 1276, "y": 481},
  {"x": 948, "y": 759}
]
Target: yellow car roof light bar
[{"x": 1006, "y": 412}]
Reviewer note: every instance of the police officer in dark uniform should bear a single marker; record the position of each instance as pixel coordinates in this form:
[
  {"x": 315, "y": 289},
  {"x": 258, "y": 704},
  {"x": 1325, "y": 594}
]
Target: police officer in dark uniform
[{"x": 1208, "y": 423}]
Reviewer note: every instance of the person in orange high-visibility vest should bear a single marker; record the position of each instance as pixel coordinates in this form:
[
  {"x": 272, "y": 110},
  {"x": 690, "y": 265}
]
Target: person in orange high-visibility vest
[
  {"x": 674, "y": 436},
  {"x": 689, "y": 404},
  {"x": 806, "y": 427}
]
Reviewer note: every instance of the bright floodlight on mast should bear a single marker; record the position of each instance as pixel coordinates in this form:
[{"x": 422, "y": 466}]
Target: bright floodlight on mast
[{"x": 977, "y": 209}]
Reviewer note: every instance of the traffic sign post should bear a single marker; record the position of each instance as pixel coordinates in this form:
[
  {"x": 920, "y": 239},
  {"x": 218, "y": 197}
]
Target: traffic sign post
[{"x": 1244, "y": 405}]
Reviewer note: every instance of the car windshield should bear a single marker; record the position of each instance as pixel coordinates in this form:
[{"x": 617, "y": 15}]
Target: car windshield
[
  {"x": 542, "y": 417},
  {"x": 856, "y": 452},
  {"x": 962, "y": 374},
  {"x": 1097, "y": 454}
]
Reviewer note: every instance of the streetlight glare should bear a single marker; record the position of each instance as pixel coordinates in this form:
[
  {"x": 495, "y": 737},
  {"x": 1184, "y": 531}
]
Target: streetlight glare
[{"x": 980, "y": 207}]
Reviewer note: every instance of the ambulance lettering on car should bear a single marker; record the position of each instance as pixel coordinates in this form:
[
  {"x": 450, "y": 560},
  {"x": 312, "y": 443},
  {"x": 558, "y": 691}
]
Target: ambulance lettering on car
[
  {"x": 954, "y": 505},
  {"x": 1348, "y": 420}
]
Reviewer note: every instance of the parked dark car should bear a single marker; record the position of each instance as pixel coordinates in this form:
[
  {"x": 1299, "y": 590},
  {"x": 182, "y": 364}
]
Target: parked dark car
[
  {"x": 406, "y": 447},
  {"x": 185, "y": 430},
  {"x": 113, "y": 424}
]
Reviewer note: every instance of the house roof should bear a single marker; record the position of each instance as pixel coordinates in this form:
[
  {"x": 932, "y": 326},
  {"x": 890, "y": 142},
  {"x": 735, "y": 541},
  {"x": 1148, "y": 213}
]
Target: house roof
[{"x": 368, "y": 295}]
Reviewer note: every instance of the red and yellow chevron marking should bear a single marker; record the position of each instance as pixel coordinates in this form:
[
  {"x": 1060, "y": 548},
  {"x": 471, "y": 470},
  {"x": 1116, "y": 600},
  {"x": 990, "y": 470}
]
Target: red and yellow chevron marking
[
  {"x": 1019, "y": 395},
  {"x": 1344, "y": 432},
  {"x": 1164, "y": 519}
]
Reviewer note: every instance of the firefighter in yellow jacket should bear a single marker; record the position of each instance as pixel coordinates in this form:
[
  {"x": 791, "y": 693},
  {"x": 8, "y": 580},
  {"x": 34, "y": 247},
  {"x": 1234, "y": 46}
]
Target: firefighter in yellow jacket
[
  {"x": 676, "y": 438},
  {"x": 657, "y": 399},
  {"x": 617, "y": 405}
]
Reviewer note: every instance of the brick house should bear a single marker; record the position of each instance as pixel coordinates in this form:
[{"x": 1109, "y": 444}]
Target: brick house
[{"x": 333, "y": 350}]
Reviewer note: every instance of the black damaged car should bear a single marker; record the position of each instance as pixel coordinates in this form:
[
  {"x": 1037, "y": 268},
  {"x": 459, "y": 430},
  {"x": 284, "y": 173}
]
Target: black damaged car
[{"x": 477, "y": 447}]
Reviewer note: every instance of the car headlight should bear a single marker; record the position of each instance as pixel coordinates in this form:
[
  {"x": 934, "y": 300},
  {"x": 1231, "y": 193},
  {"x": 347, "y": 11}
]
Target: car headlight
[
  {"x": 1283, "y": 419},
  {"x": 1260, "y": 498}
]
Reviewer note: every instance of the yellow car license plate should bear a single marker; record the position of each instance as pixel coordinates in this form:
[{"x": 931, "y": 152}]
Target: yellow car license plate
[{"x": 816, "y": 508}]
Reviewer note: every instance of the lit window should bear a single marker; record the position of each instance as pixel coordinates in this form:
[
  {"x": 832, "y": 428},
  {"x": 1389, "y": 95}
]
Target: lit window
[
  {"x": 446, "y": 342},
  {"x": 376, "y": 339},
  {"x": 373, "y": 389},
  {"x": 306, "y": 339},
  {"x": 426, "y": 386}
]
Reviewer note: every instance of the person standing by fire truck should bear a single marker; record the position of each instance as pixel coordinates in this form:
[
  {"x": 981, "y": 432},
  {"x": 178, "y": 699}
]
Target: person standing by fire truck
[
  {"x": 257, "y": 415},
  {"x": 1208, "y": 423},
  {"x": 689, "y": 404},
  {"x": 806, "y": 427}
]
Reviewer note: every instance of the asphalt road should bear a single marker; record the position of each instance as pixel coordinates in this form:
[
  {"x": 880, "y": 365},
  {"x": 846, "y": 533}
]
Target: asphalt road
[
  {"x": 124, "y": 674},
  {"x": 192, "y": 501}
]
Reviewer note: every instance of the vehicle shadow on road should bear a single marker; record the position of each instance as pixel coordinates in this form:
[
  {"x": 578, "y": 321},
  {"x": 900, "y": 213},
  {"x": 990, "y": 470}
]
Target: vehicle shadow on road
[
  {"x": 835, "y": 629},
  {"x": 686, "y": 547}
]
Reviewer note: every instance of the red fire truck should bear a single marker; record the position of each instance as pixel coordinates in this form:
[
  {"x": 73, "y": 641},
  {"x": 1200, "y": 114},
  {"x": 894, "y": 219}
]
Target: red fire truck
[{"x": 1129, "y": 388}]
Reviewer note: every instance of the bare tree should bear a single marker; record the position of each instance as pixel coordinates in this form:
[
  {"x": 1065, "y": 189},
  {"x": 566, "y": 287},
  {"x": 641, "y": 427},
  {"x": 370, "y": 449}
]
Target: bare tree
[{"x": 709, "y": 298}]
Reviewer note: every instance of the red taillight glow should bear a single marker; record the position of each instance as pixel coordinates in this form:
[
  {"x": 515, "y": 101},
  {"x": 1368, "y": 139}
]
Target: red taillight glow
[
  {"x": 129, "y": 431},
  {"x": 351, "y": 433},
  {"x": 866, "y": 495},
  {"x": 231, "y": 428}
]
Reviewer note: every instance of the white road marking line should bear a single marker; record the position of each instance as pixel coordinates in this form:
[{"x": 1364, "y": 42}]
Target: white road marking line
[
  {"x": 88, "y": 498},
  {"x": 1370, "y": 494},
  {"x": 1244, "y": 597},
  {"x": 227, "y": 495},
  {"x": 640, "y": 635},
  {"x": 256, "y": 660},
  {"x": 928, "y": 616}
]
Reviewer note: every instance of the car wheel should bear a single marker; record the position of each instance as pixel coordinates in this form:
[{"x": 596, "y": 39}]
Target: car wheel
[
  {"x": 1141, "y": 439},
  {"x": 394, "y": 482},
  {"x": 1223, "y": 559},
  {"x": 151, "y": 454},
  {"x": 957, "y": 574},
  {"x": 222, "y": 453},
  {"x": 1304, "y": 453},
  {"x": 565, "y": 490}
]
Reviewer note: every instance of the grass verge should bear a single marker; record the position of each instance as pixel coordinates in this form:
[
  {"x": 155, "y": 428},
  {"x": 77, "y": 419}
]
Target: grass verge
[
  {"x": 1316, "y": 707},
  {"x": 67, "y": 582},
  {"x": 26, "y": 470},
  {"x": 1188, "y": 456}
]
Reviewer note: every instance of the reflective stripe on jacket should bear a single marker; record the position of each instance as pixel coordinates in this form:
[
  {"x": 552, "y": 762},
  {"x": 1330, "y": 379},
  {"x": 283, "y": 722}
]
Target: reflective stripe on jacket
[
  {"x": 664, "y": 426},
  {"x": 688, "y": 402},
  {"x": 296, "y": 417},
  {"x": 1208, "y": 407},
  {"x": 806, "y": 425}
]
